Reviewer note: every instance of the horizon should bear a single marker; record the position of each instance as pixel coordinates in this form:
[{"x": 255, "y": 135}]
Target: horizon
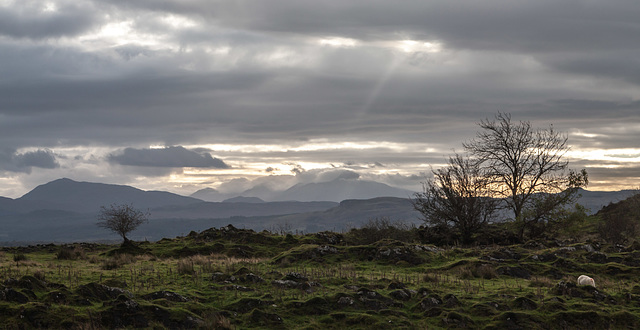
[
  {"x": 231, "y": 195},
  {"x": 180, "y": 96}
]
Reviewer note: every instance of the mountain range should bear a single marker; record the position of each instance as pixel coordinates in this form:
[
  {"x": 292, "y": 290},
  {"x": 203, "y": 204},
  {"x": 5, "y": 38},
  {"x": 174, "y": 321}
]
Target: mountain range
[
  {"x": 65, "y": 210},
  {"x": 334, "y": 191}
]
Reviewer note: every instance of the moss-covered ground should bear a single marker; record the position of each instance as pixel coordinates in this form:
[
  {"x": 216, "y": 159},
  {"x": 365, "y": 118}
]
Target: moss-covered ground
[{"x": 239, "y": 279}]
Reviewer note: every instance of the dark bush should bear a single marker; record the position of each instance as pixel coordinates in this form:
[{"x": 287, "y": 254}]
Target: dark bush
[
  {"x": 381, "y": 228},
  {"x": 621, "y": 220},
  {"x": 19, "y": 257}
]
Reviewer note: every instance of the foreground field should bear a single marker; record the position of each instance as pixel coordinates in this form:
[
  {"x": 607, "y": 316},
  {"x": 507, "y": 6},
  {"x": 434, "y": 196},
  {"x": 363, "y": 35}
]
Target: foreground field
[{"x": 236, "y": 278}]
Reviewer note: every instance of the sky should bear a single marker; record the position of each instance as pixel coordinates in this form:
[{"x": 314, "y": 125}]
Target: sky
[{"x": 180, "y": 95}]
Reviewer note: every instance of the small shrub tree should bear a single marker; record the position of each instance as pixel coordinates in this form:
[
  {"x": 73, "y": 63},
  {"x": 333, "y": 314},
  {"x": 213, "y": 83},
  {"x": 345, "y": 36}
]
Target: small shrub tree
[
  {"x": 376, "y": 229},
  {"x": 121, "y": 219},
  {"x": 457, "y": 197}
]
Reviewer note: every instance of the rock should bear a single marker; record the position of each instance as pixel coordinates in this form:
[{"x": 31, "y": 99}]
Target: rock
[
  {"x": 36, "y": 315},
  {"x": 27, "y": 282},
  {"x": 124, "y": 312},
  {"x": 11, "y": 295},
  {"x": 403, "y": 295},
  {"x": 429, "y": 303},
  {"x": 57, "y": 297},
  {"x": 330, "y": 237},
  {"x": 173, "y": 320},
  {"x": 596, "y": 257},
  {"x": 99, "y": 292},
  {"x": 450, "y": 301},
  {"x": 396, "y": 285},
  {"x": 220, "y": 277},
  {"x": 524, "y": 303},
  {"x": 373, "y": 300},
  {"x": 238, "y": 288},
  {"x": 547, "y": 257},
  {"x": 287, "y": 284},
  {"x": 245, "y": 305},
  {"x": 295, "y": 276},
  {"x": 454, "y": 319},
  {"x": 251, "y": 278},
  {"x": 265, "y": 319},
  {"x": 514, "y": 272},
  {"x": 505, "y": 254},
  {"x": 326, "y": 249},
  {"x": 484, "y": 309},
  {"x": 167, "y": 295},
  {"x": 346, "y": 301}
]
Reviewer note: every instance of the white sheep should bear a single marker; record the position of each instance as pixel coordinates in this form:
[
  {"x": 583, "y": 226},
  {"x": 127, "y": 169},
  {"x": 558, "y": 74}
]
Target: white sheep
[{"x": 586, "y": 280}]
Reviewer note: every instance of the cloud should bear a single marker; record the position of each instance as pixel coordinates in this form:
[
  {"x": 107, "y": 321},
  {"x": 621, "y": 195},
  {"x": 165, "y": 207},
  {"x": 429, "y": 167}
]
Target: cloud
[
  {"x": 83, "y": 74},
  {"x": 175, "y": 156},
  {"x": 12, "y": 161},
  {"x": 40, "y": 19}
]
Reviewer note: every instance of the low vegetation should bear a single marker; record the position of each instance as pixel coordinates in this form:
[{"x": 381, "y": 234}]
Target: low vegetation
[{"x": 384, "y": 275}]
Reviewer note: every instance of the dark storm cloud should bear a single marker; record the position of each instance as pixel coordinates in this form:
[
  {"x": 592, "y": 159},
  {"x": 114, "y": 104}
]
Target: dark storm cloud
[
  {"x": 166, "y": 157},
  {"x": 495, "y": 24},
  {"x": 616, "y": 64},
  {"x": 34, "y": 20},
  {"x": 12, "y": 161},
  {"x": 113, "y": 74}
]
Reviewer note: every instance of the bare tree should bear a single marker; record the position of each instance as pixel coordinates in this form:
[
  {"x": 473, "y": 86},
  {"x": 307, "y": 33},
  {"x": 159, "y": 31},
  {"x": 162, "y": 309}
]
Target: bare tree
[
  {"x": 457, "y": 197},
  {"x": 121, "y": 219},
  {"x": 526, "y": 167}
]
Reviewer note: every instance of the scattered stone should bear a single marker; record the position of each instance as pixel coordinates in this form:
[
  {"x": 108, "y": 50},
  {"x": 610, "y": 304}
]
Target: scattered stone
[
  {"x": 99, "y": 292},
  {"x": 220, "y": 277},
  {"x": 287, "y": 284},
  {"x": 167, "y": 295},
  {"x": 429, "y": 302},
  {"x": 124, "y": 312},
  {"x": 454, "y": 319},
  {"x": 241, "y": 288},
  {"x": 295, "y": 276},
  {"x": 330, "y": 237},
  {"x": 251, "y": 278},
  {"x": 346, "y": 301},
  {"x": 596, "y": 257},
  {"x": 450, "y": 301},
  {"x": 515, "y": 271},
  {"x": 524, "y": 303},
  {"x": 245, "y": 305},
  {"x": 403, "y": 295},
  {"x": 11, "y": 295},
  {"x": 326, "y": 249},
  {"x": 396, "y": 285},
  {"x": 57, "y": 297},
  {"x": 266, "y": 319},
  {"x": 373, "y": 300}
]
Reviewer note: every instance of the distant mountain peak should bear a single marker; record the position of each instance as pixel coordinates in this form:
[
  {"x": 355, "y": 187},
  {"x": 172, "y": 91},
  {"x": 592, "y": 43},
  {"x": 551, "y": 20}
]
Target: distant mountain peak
[
  {"x": 341, "y": 189},
  {"x": 67, "y": 194}
]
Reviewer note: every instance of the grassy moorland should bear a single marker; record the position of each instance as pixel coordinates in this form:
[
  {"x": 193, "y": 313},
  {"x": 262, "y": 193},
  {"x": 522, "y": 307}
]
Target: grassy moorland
[{"x": 237, "y": 279}]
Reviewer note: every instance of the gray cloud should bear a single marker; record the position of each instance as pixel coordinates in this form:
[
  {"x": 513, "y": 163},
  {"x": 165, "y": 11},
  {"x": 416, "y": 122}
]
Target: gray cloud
[
  {"x": 12, "y": 161},
  {"x": 37, "y": 20},
  {"x": 113, "y": 74},
  {"x": 166, "y": 157}
]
